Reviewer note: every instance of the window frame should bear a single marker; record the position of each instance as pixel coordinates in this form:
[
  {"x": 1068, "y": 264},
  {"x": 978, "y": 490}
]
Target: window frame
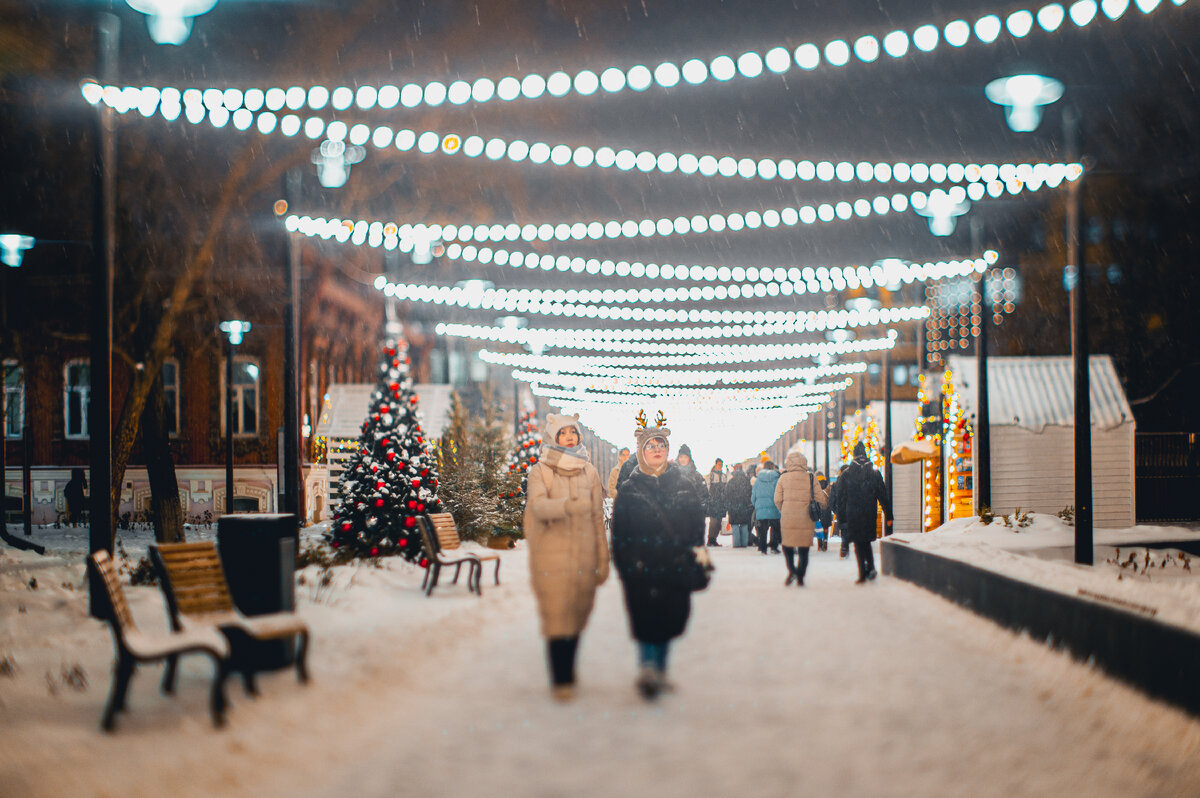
[
  {"x": 11, "y": 365},
  {"x": 173, "y": 420},
  {"x": 85, "y": 402},
  {"x": 238, "y": 391}
]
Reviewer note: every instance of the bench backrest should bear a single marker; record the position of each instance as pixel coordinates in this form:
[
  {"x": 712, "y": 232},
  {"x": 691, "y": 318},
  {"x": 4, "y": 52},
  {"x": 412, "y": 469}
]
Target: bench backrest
[
  {"x": 445, "y": 530},
  {"x": 121, "y": 616},
  {"x": 193, "y": 578}
]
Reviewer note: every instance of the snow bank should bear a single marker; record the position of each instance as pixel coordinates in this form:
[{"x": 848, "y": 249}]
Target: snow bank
[{"x": 1043, "y": 553}]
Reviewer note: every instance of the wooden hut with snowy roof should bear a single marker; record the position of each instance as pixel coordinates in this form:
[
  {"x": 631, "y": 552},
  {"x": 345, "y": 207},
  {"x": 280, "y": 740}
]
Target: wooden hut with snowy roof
[{"x": 1031, "y": 412}]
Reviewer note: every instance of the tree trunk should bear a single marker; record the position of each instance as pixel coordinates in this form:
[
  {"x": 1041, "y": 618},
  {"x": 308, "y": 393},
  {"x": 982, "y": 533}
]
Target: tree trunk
[{"x": 164, "y": 488}]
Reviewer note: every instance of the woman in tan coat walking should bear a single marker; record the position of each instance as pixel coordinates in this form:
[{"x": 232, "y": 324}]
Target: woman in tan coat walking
[
  {"x": 794, "y": 492},
  {"x": 568, "y": 552}
]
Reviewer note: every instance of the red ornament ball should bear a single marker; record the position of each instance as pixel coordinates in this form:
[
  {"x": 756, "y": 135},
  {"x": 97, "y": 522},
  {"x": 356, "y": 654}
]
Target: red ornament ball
[
  {"x": 433, "y": 482},
  {"x": 395, "y": 386},
  {"x": 402, "y": 541},
  {"x": 410, "y": 522},
  {"x": 346, "y": 526},
  {"x": 424, "y": 563},
  {"x": 420, "y": 507},
  {"x": 416, "y": 482},
  {"x": 383, "y": 409},
  {"x": 380, "y": 485},
  {"x": 385, "y": 442},
  {"x": 374, "y": 551},
  {"x": 412, "y": 504},
  {"x": 379, "y": 502}
]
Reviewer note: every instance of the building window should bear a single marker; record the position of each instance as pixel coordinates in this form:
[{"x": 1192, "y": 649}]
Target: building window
[
  {"x": 14, "y": 399},
  {"x": 170, "y": 375},
  {"x": 77, "y": 389},
  {"x": 245, "y": 397}
]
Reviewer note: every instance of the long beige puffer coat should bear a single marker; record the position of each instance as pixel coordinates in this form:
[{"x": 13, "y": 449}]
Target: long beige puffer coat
[
  {"x": 568, "y": 550},
  {"x": 792, "y": 495}
]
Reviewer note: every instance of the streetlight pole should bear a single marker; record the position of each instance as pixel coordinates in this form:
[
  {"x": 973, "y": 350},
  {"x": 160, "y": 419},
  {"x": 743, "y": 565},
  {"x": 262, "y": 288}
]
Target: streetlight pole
[
  {"x": 100, "y": 535},
  {"x": 291, "y": 358},
  {"x": 982, "y": 477},
  {"x": 234, "y": 330},
  {"x": 887, "y": 426},
  {"x": 1079, "y": 351},
  {"x": 229, "y": 424}
]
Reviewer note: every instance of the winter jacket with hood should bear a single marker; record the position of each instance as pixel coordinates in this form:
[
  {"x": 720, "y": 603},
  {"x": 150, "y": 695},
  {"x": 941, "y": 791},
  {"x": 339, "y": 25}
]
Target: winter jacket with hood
[
  {"x": 568, "y": 550},
  {"x": 763, "y": 494},
  {"x": 792, "y": 495},
  {"x": 716, "y": 482},
  {"x": 860, "y": 487},
  {"x": 737, "y": 498}
]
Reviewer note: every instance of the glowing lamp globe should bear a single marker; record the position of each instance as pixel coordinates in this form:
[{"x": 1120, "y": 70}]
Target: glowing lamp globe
[
  {"x": 170, "y": 21},
  {"x": 12, "y": 248},
  {"x": 942, "y": 209},
  {"x": 1023, "y": 97}
]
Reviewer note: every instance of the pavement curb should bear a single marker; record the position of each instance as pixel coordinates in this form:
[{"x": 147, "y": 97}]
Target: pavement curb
[{"x": 1126, "y": 643}]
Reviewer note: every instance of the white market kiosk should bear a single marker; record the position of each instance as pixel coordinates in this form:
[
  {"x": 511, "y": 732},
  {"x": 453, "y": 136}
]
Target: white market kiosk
[{"x": 1032, "y": 434}]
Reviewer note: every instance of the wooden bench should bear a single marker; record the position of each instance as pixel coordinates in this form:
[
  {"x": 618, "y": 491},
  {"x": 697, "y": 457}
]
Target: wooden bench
[
  {"x": 135, "y": 646},
  {"x": 448, "y": 540},
  {"x": 194, "y": 584},
  {"x": 439, "y": 560}
]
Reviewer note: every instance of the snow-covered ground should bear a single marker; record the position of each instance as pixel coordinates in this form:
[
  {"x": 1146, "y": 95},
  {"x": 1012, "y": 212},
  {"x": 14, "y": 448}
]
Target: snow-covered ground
[
  {"x": 834, "y": 689},
  {"x": 1043, "y": 553}
]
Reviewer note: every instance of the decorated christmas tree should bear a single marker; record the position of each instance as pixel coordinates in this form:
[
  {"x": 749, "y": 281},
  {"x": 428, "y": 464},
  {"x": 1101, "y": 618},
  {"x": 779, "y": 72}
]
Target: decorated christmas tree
[
  {"x": 529, "y": 443},
  {"x": 392, "y": 477}
]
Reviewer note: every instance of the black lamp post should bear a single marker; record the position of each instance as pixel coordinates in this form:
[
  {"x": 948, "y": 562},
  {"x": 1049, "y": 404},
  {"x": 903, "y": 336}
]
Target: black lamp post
[{"x": 234, "y": 331}]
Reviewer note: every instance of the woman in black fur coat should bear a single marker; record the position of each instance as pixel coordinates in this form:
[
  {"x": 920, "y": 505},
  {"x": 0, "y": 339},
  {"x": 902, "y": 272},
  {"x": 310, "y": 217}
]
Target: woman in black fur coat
[{"x": 657, "y": 521}]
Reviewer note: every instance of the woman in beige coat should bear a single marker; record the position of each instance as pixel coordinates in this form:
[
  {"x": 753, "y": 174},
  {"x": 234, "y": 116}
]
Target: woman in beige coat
[
  {"x": 793, "y": 492},
  {"x": 568, "y": 552}
]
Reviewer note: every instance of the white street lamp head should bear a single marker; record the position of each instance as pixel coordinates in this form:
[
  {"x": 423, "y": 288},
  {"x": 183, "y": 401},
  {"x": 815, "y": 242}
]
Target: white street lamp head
[
  {"x": 473, "y": 290},
  {"x": 170, "y": 21},
  {"x": 1023, "y": 97},
  {"x": 334, "y": 159},
  {"x": 236, "y": 330},
  {"x": 12, "y": 248},
  {"x": 512, "y": 322},
  {"x": 942, "y": 209}
]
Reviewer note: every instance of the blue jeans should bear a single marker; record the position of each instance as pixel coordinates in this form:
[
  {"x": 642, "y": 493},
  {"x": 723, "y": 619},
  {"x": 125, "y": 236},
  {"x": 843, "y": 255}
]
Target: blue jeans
[
  {"x": 741, "y": 535},
  {"x": 654, "y": 655}
]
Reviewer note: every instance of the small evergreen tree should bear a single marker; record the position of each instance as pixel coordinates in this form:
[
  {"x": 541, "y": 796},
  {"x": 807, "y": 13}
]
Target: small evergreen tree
[
  {"x": 477, "y": 487},
  {"x": 529, "y": 443},
  {"x": 392, "y": 477}
]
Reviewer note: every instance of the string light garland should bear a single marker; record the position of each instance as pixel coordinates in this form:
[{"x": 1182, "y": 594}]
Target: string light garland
[
  {"x": 584, "y": 367},
  {"x": 238, "y": 106},
  {"x": 957, "y": 311},
  {"x": 581, "y": 156},
  {"x": 757, "y": 323},
  {"x": 699, "y": 354},
  {"x": 376, "y": 233},
  {"x": 649, "y": 385},
  {"x": 599, "y": 303},
  {"x": 690, "y": 404}
]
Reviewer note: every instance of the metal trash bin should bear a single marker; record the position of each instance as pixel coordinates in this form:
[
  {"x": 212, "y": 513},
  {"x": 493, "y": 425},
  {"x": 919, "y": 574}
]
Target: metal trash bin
[{"x": 258, "y": 553}]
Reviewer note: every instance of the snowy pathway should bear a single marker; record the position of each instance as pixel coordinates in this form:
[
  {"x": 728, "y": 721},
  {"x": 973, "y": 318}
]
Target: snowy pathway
[{"x": 878, "y": 690}]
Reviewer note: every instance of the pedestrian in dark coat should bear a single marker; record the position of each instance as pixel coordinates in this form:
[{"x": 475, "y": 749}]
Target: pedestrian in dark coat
[
  {"x": 75, "y": 494},
  {"x": 737, "y": 502},
  {"x": 657, "y": 521},
  {"x": 715, "y": 488},
  {"x": 835, "y": 494},
  {"x": 863, "y": 488}
]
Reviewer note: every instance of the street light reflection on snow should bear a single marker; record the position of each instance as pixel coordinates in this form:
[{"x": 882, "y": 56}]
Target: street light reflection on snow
[
  {"x": 170, "y": 21},
  {"x": 1022, "y": 97}
]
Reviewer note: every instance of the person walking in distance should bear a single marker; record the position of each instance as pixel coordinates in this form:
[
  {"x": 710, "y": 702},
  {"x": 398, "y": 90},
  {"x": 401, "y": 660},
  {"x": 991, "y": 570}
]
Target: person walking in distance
[
  {"x": 615, "y": 473},
  {"x": 835, "y": 499},
  {"x": 738, "y": 505},
  {"x": 657, "y": 522},
  {"x": 862, "y": 488},
  {"x": 763, "y": 497},
  {"x": 568, "y": 550},
  {"x": 715, "y": 482},
  {"x": 795, "y": 493}
]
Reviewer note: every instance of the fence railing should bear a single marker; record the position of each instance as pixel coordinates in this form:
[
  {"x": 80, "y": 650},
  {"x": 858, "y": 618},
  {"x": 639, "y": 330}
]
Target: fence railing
[{"x": 1167, "y": 465}]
